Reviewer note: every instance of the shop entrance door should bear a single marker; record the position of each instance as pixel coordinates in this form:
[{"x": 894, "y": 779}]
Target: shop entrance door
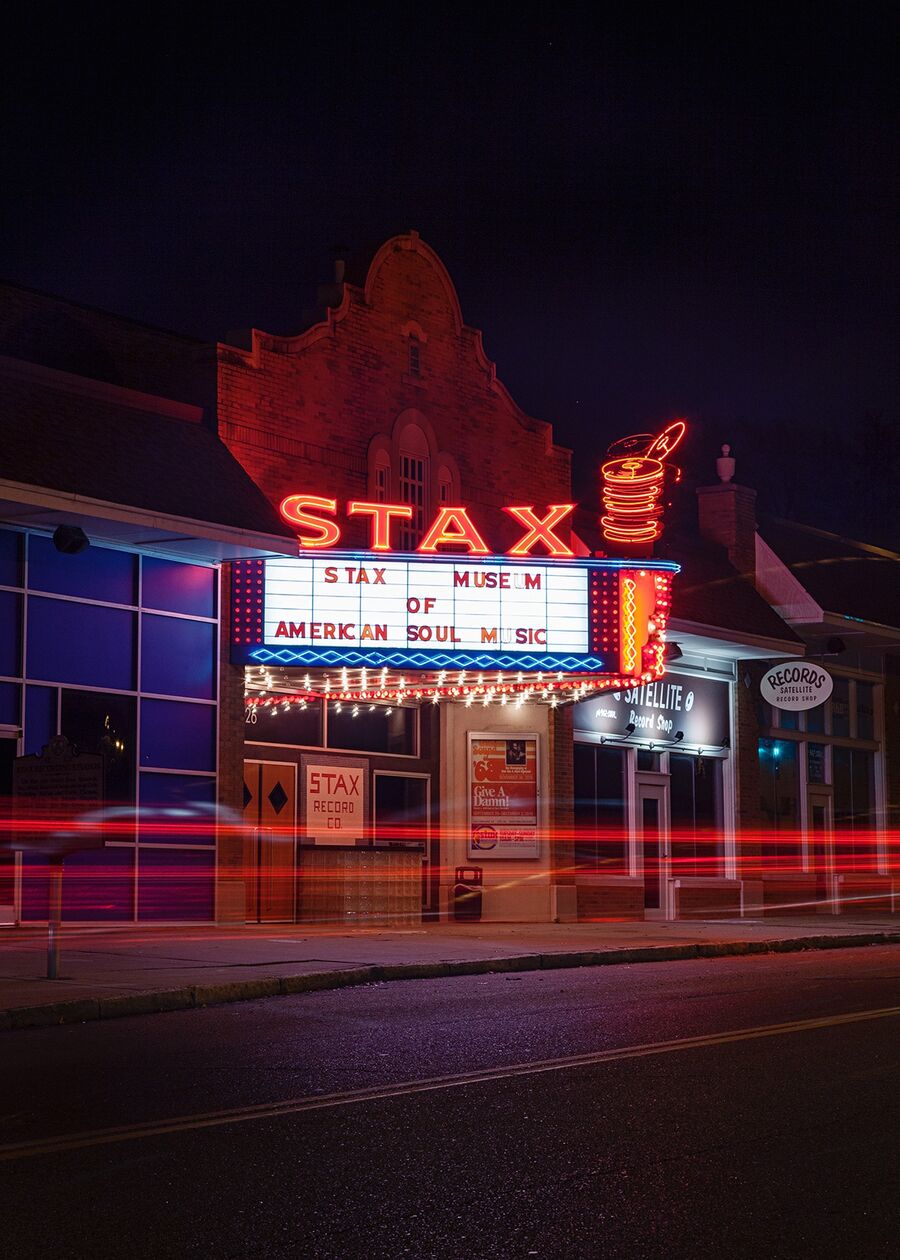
[
  {"x": 9, "y": 747},
  {"x": 652, "y": 828},
  {"x": 402, "y": 816},
  {"x": 821, "y": 847},
  {"x": 270, "y": 812}
]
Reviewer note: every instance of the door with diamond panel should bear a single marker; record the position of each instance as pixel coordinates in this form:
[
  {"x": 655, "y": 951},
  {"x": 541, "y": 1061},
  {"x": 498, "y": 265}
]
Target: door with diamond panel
[{"x": 270, "y": 811}]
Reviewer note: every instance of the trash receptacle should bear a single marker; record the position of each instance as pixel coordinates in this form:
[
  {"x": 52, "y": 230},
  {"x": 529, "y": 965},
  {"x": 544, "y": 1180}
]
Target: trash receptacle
[{"x": 467, "y": 894}]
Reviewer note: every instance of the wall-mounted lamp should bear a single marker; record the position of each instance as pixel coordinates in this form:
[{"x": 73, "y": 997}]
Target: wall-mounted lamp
[
  {"x": 726, "y": 742},
  {"x": 677, "y": 737},
  {"x": 673, "y": 653},
  {"x": 70, "y": 539},
  {"x": 629, "y": 730}
]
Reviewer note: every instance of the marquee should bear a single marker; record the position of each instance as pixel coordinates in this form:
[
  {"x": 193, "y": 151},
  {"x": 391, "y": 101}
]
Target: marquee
[{"x": 594, "y": 617}]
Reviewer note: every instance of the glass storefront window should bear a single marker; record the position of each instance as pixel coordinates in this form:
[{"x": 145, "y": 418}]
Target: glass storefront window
[
  {"x": 10, "y": 558},
  {"x": 372, "y": 728},
  {"x": 601, "y": 836},
  {"x": 10, "y": 634},
  {"x": 178, "y": 736},
  {"x": 779, "y": 785},
  {"x": 98, "y": 723},
  {"x": 178, "y": 657},
  {"x": 80, "y": 643},
  {"x": 10, "y": 704},
  {"x": 182, "y": 588},
  {"x": 865, "y": 711},
  {"x": 815, "y": 720},
  {"x": 695, "y": 801},
  {"x": 788, "y": 720},
  {"x": 815, "y": 763},
  {"x": 840, "y": 707},
  {"x": 298, "y": 725},
  {"x": 647, "y": 760},
  {"x": 855, "y": 850},
  {"x": 95, "y": 573},
  {"x": 401, "y": 810}
]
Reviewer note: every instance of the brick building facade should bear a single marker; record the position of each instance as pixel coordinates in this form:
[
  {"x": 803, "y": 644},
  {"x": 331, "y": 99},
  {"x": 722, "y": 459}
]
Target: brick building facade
[
  {"x": 172, "y": 457},
  {"x": 392, "y": 398}
]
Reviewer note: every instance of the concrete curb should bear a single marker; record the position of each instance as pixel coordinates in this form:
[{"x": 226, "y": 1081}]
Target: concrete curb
[{"x": 81, "y": 1010}]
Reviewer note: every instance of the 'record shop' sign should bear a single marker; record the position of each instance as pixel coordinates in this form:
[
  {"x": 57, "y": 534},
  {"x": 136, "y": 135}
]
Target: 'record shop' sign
[
  {"x": 693, "y": 705},
  {"x": 796, "y": 685}
]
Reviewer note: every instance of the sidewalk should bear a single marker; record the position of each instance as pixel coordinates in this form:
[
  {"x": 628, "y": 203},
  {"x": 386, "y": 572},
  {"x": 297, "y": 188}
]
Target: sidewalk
[{"x": 110, "y": 972}]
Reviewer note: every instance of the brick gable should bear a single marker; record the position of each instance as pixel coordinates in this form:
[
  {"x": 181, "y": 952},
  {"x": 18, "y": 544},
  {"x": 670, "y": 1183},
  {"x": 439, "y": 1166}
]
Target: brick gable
[{"x": 300, "y": 412}]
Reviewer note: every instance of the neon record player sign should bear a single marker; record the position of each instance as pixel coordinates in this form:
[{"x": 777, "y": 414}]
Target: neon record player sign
[{"x": 428, "y": 610}]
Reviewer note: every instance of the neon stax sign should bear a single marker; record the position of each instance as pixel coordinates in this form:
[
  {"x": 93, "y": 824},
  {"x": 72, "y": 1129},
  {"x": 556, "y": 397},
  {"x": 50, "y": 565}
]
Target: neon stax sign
[
  {"x": 452, "y": 526},
  {"x": 451, "y": 604}
]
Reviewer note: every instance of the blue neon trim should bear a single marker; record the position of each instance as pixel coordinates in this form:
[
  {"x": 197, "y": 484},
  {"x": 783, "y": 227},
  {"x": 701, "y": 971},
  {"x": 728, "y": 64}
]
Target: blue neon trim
[
  {"x": 398, "y": 659},
  {"x": 418, "y": 557}
]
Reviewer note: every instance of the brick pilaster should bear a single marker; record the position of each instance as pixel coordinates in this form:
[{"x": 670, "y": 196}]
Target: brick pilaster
[{"x": 231, "y": 875}]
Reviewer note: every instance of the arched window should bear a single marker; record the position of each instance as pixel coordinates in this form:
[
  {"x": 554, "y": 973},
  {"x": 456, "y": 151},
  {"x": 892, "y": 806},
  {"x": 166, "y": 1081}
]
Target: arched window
[
  {"x": 416, "y": 337},
  {"x": 414, "y": 467},
  {"x": 447, "y": 485},
  {"x": 382, "y": 477},
  {"x": 380, "y": 480},
  {"x": 415, "y": 356}
]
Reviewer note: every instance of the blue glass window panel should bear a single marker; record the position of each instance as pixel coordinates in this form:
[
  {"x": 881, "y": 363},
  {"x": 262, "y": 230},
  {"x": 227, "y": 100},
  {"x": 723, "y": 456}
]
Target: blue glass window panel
[
  {"x": 178, "y": 657},
  {"x": 80, "y": 643},
  {"x": 178, "y": 809},
  {"x": 178, "y": 736},
  {"x": 176, "y": 884},
  {"x": 9, "y": 704},
  {"x": 98, "y": 885},
  {"x": 96, "y": 573},
  {"x": 173, "y": 587},
  {"x": 35, "y": 887},
  {"x": 10, "y": 558},
  {"x": 40, "y": 717},
  {"x": 10, "y": 634}
]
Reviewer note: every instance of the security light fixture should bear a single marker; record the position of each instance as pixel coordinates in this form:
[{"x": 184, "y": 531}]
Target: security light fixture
[{"x": 70, "y": 539}]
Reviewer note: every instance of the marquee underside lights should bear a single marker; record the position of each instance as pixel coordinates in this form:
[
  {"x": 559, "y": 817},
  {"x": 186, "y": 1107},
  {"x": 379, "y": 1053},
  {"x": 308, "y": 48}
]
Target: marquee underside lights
[{"x": 276, "y": 690}]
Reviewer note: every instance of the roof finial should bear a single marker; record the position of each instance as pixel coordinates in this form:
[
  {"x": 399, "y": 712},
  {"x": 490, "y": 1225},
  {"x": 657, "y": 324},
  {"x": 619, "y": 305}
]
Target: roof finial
[{"x": 725, "y": 464}]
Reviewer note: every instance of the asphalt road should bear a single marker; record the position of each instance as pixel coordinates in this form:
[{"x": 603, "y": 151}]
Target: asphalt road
[{"x": 739, "y": 1107}]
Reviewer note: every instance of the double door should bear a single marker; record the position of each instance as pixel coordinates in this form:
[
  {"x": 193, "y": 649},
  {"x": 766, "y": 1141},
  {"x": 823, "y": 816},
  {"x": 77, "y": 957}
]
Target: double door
[
  {"x": 270, "y": 816},
  {"x": 820, "y": 846}
]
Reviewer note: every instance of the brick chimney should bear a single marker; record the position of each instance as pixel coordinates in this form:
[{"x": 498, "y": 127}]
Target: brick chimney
[{"x": 728, "y": 515}]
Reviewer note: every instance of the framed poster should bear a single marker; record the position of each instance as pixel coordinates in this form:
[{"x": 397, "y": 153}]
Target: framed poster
[{"x": 503, "y": 795}]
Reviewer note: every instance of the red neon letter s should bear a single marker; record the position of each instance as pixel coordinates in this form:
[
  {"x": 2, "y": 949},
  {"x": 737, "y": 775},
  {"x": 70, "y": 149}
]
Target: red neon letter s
[
  {"x": 381, "y": 514},
  {"x": 326, "y": 533},
  {"x": 541, "y": 529},
  {"x": 463, "y": 533}
]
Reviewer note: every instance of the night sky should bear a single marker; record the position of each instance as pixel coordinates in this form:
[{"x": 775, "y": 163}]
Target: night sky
[{"x": 647, "y": 215}]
